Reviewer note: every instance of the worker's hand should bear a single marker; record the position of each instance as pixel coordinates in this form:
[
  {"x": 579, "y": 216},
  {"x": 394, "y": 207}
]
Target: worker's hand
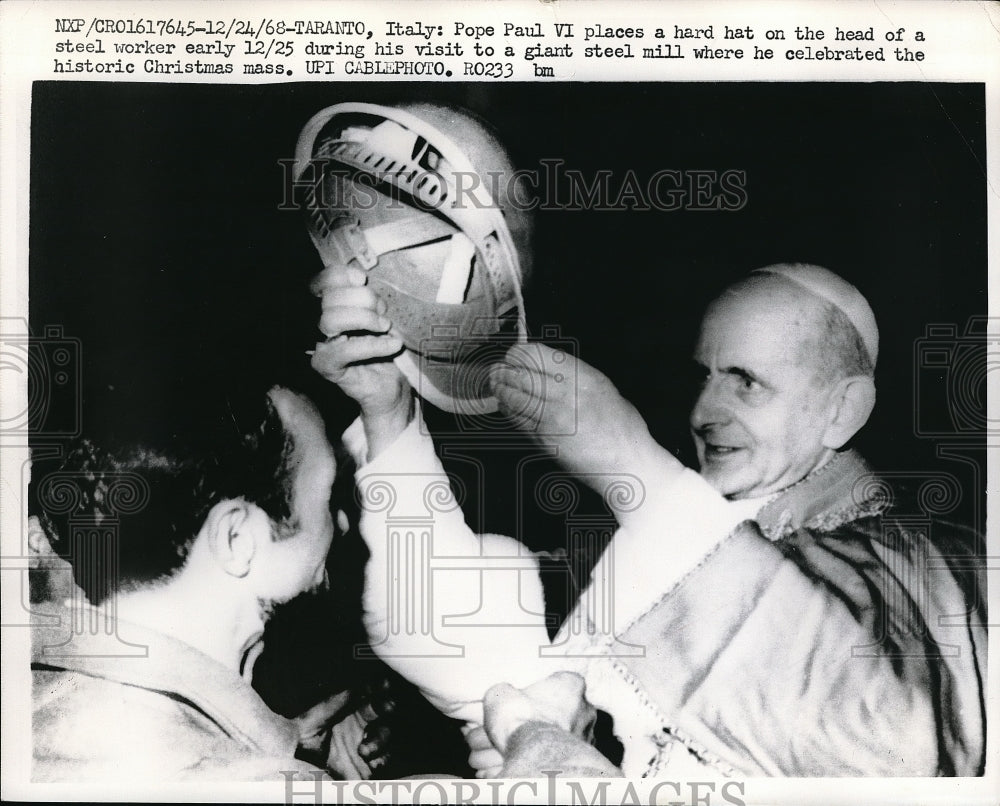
[
  {"x": 314, "y": 725},
  {"x": 349, "y": 733},
  {"x": 361, "y": 744},
  {"x": 358, "y": 353},
  {"x": 360, "y": 345}
]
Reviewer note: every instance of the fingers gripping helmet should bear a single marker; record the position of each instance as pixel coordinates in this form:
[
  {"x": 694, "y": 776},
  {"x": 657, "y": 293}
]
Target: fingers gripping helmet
[{"x": 390, "y": 193}]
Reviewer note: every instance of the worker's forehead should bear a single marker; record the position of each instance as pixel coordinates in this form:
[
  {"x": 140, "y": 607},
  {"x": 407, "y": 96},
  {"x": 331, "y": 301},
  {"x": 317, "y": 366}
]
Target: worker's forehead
[{"x": 301, "y": 419}]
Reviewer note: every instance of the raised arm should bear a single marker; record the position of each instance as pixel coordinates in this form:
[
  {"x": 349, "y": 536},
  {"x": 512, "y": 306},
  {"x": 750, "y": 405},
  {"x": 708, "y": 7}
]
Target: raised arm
[{"x": 452, "y": 611}]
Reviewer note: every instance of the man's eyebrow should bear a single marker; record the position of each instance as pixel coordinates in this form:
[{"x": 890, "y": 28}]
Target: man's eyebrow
[
  {"x": 737, "y": 371},
  {"x": 746, "y": 375}
]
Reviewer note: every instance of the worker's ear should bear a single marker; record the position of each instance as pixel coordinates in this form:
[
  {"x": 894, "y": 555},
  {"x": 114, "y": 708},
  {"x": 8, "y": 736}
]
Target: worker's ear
[
  {"x": 38, "y": 541},
  {"x": 232, "y": 530},
  {"x": 850, "y": 405}
]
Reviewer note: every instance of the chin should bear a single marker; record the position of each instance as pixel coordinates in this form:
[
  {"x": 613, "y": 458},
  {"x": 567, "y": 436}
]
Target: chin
[
  {"x": 731, "y": 491},
  {"x": 723, "y": 480},
  {"x": 735, "y": 488}
]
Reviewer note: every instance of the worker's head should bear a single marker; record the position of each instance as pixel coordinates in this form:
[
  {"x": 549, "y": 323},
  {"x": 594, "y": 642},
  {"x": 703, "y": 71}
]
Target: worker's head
[{"x": 243, "y": 512}]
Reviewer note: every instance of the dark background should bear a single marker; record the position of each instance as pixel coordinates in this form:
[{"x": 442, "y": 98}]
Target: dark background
[{"x": 157, "y": 241}]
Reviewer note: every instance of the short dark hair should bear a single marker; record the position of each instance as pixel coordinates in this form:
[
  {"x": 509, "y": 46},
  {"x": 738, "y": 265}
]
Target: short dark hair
[
  {"x": 840, "y": 351},
  {"x": 125, "y": 514}
]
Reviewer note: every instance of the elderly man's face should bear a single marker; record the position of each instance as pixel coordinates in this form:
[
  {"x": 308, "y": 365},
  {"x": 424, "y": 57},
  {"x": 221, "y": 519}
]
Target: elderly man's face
[{"x": 760, "y": 416}]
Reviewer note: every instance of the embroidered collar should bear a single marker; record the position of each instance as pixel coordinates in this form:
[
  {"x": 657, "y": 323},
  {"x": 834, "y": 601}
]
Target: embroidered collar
[{"x": 825, "y": 499}]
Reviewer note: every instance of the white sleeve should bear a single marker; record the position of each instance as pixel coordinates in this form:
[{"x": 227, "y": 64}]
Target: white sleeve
[
  {"x": 452, "y": 611},
  {"x": 672, "y": 528}
]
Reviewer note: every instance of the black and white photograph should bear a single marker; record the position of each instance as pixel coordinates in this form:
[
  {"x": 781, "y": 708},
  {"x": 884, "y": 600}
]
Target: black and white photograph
[{"x": 463, "y": 430}]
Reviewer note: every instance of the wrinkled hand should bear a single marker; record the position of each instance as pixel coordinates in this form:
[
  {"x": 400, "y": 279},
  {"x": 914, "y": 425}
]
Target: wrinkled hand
[
  {"x": 598, "y": 434},
  {"x": 357, "y": 355},
  {"x": 557, "y": 700}
]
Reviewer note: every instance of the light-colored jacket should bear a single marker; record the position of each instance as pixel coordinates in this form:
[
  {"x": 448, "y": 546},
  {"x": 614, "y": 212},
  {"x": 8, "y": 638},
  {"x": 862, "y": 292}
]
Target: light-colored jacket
[{"x": 108, "y": 711}]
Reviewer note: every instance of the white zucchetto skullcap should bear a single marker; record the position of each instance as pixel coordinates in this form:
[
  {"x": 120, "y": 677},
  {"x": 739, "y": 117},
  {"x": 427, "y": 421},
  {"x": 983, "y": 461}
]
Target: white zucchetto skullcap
[{"x": 834, "y": 289}]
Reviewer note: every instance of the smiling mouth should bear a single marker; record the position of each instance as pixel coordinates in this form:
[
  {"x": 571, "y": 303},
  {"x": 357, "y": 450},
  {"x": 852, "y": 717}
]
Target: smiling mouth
[{"x": 720, "y": 452}]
